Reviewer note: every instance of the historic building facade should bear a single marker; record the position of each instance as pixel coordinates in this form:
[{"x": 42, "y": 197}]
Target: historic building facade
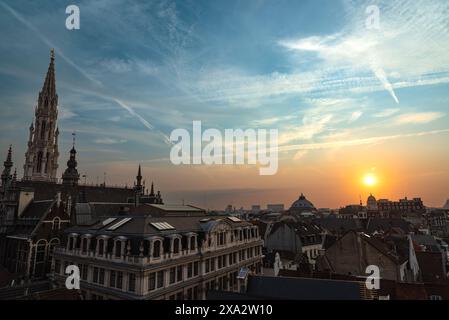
[{"x": 173, "y": 256}]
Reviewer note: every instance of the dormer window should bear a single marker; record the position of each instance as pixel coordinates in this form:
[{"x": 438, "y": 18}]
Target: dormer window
[
  {"x": 157, "y": 249},
  {"x": 118, "y": 248},
  {"x": 192, "y": 243},
  {"x": 176, "y": 244}
]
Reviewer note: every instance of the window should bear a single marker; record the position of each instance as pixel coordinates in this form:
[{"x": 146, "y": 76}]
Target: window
[
  {"x": 176, "y": 246},
  {"x": 220, "y": 265},
  {"x": 71, "y": 243},
  {"x": 100, "y": 247},
  {"x": 435, "y": 297},
  {"x": 172, "y": 275},
  {"x": 118, "y": 249},
  {"x": 190, "y": 294},
  {"x": 152, "y": 281},
  {"x": 95, "y": 275},
  {"x": 112, "y": 278},
  {"x": 160, "y": 279},
  {"x": 192, "y": 243},
  {"x": 195, "y": 268},
  {"x": 207, "y": 265},
  {"x": 195, "y": 293},
  {"x": 83, "y": 270},
  {"x": 157, "y": 249},
  {"x": 221, "y": 238},
  {"x": 190, "y": 270},
  {"x": 84, "y": 246},
  {"x": 101, "y": 276},
  {"x": 119, "y": 279},
  {"x": 39, "y": 162},
  {"x": 56, "y": 224},
  {"x": 179, "y": 274},
  {"x": 132, "y": 282}
]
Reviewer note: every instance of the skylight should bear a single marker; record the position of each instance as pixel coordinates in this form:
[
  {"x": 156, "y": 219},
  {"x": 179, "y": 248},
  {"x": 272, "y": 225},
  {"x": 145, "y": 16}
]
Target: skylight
[
  {"x": 108, "y": 221},
  {"x": 119, "y": 224},
  {"x": 234, "y": 219},
  {"x": 162, "y": 225}
]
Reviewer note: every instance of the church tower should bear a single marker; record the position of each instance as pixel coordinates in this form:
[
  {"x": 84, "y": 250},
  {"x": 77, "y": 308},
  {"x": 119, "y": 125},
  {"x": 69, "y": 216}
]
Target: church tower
[
  {"x": 41, "y": 158},
  {"x": 71, "y": 175}
]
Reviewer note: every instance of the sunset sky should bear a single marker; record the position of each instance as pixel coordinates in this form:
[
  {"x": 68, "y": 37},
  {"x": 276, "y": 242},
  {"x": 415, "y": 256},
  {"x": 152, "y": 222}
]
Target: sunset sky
[{"x": 348, "y": 101}]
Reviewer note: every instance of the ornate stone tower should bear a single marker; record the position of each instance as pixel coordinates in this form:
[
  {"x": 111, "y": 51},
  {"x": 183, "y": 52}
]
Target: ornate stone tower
[
  {"x": 41, "y": 158},
  {"x": 71, "y": 175},
  {"x": 6, "y": 173}
]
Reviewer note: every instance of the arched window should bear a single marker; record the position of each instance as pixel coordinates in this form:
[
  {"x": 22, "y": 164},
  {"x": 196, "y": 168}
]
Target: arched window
[
  {"x": 157, "y": 249},
  {"x": 176, "y": 245},
  {"x": 56, "y": 223},
  {"x": 52, "y": 245},
  {"x": 40, "y": 256}
]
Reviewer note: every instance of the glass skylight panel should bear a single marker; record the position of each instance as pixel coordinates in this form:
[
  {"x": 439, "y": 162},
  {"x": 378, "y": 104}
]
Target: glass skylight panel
[
  {"x": 108, "y": 221},
  {"x": 119, "y": 224},
  {"x": 162, "y": 226}
]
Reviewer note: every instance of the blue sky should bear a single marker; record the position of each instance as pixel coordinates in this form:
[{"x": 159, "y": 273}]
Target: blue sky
[{"x": 136, "y": 70}]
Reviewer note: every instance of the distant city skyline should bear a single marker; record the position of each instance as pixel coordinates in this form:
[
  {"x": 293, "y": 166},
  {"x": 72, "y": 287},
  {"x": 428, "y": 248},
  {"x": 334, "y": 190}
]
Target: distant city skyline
[{"x": 358, "y": 111}]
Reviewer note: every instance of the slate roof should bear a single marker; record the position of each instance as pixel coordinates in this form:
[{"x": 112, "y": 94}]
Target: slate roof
[
  {"x": 48, "y": 190},
  {"x": 432, "y": 266},
  {"x": 340, "y": 226},
  {"x": 36, "y": 209},
  {"x": 385, "y": 224},
  {"x": 301, "y": 228},
  {"x": 5, "y": 277},
  {"x": 426, "y": 240},
  {"x": 140, "y": 225},
  {"x": 286, "y": 288}
]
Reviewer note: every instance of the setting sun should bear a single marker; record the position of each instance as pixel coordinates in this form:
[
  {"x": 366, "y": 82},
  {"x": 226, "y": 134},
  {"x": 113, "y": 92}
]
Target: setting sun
[{"x": 369, "y": 180}]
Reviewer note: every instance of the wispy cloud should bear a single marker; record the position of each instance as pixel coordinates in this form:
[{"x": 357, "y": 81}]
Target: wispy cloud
[
  {"x": 356, "y": 142},
  {"x": 418, "y": 117},
  {"x": 109, "y": 141},
  {"x": 355, "y": 116},
  {"x": 386, "y": 113}
]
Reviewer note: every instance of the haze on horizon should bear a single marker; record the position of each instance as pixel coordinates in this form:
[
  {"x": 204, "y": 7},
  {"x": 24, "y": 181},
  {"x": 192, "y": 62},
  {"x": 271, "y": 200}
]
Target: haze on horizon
[{"x": 347, "y": 101}]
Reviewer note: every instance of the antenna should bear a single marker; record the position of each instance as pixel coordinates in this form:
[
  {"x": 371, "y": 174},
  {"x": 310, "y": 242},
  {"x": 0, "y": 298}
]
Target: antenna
[{"x": 73, "y": 138}]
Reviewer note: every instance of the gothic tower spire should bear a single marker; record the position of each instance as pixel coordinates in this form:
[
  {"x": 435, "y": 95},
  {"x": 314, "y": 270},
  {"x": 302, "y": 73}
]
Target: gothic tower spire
[
  {"x": 41, "y": 158},
  {"x": 7, "y": 165}
]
